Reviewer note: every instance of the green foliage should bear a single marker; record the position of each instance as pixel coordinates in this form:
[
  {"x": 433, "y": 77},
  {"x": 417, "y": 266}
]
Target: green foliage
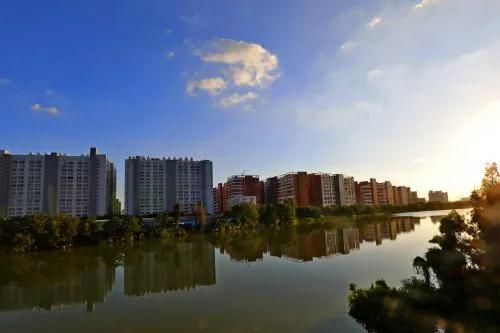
[
  {"x": 88, "y": 230},
  {"x": 246, "y": 213},
  {"x": 309, "y": 212},
  {"x": 286, "y": 212},
  {"x": 268, "y": 214},
  {"x": 125, "y": 229}
]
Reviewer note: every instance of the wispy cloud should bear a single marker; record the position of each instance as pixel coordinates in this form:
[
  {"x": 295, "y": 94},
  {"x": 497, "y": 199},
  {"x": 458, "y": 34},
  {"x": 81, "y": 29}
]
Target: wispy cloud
[
  {"x": 237, "y": 99},
  {"x": 169, "y": 54},
  {"x": 51, "y": 110},
  {"x": 375, "y": 21},
  {"x": 4, "y": 80},
  {"x": 426, "y": 3},
  {"x": 213, "y": 86},
  {"x": 349, "y": 46},
  {"x": 374, "y": 74}
]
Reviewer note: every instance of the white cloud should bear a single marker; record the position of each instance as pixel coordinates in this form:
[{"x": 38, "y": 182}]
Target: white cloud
[
  {"x": 249, "y": 64},
  {"x": 349, "y": 46},
  {"x": 376, "y": 20},
  {"x": 168, "y": 31},
  {"x": 236, "y": 99},
  {"x": 374, "y": 74},
  {"x": 4, "y": 80},
  {"x": 426, "y": 3},
  {"x": 51, "y": 110},
  {"x": 213, "y": 86},
  {"x": 170, "y": 54}
]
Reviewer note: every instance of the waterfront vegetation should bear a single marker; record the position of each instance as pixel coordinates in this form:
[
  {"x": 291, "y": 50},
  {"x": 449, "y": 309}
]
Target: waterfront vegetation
[
  {"x": 458, "y": 284},
  {"x": 41, "y": 232}
]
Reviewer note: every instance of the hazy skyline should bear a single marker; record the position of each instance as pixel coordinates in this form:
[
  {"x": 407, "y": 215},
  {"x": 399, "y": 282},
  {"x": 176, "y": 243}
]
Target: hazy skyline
[{"x": 406, "y": 91}]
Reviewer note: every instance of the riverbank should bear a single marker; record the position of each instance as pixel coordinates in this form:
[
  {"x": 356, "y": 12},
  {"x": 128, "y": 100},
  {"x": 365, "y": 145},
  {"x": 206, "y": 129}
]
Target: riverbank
[{"x": 40, "y": 232}]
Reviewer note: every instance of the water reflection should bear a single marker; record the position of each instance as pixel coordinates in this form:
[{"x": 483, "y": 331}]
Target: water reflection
[
  {"x": 46, "y": 280},
  {"x": 174, "y": 266},
  {"x": 307, "y": 243}
]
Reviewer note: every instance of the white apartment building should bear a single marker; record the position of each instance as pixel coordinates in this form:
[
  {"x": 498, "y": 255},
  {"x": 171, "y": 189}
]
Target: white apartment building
[
  {"x": 154, "y": 185},
  {"x": 56, "y": 184}
]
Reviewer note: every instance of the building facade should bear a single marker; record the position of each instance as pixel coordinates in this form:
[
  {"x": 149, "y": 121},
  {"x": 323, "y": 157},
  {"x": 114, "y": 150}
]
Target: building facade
[
  {"x": 385, "y": 194},
  {"x": 294, "y": 186},
  {"x": 438, "y": 196},
  {"x": 241, "y": 189},
  {"x": 403, "y": 195},
  {"x": 219, "y": 194},
  {"x": 155, "y": 185},
  {"x": 366, "y": 192},
  {"x": 56, "y": 184}
]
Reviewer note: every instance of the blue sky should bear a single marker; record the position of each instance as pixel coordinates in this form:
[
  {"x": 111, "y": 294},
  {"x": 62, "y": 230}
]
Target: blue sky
[{"x": 406, "y": 91}]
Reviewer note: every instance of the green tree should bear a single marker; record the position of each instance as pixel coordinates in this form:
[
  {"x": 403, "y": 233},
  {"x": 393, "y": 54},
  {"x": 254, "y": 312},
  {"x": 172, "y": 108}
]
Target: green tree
[
  {"x": 286, "y": 212},
  {"x": 268, "y": 214}
]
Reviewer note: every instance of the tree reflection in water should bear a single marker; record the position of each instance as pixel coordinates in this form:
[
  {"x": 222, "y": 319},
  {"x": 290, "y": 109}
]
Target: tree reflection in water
[{"x": 46, "y": 280}]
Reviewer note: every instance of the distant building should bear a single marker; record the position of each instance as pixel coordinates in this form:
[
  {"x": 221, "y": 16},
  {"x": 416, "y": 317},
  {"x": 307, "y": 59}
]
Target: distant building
[
  {"x": 56, "y": 184},
  {"x": 413, "y": 197},
  {"x": 270, "y": 189},
  {"x": 321, "y": 190},
  {"x": 241, "y": 189},
  {"x": 219, "y": 194},
  {"x": 385, "y": 195},
  {"x": 404, "y": 195},
  {"x": 438, "y": 196},
  {"x": 348, "y": 198},
  {"x": 294, "y": 186},
  {"x": 154, "y": 185},
  {"x": 366, "y": 192}
]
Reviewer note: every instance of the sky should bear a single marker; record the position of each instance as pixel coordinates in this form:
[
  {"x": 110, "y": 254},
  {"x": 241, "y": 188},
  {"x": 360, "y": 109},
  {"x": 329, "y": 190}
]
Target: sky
[{"x": 406, "y": 90}]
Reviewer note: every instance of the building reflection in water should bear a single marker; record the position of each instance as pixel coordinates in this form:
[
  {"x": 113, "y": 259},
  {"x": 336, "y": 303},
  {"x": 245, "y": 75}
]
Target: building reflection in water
[
  {"x": 305, "y": 245},
  {"x": 45, "y": 280},
  {"x": 177, "y": 266}
]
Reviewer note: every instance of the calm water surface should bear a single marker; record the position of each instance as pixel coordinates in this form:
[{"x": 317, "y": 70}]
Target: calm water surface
[{"x": 287, "y": 280}]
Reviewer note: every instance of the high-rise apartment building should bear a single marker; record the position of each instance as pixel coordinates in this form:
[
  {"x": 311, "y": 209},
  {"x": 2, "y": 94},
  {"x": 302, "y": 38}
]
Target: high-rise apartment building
[
  {"x": 294, "y": 186},
  {"x": 404, "y": 195},
  {"x": 321, "y": 189},
  {"x": 385, "y": 193},
  {"x": 414, "y": 197},
  {"x": 56, "y": 184},
  {"x": 241, "y": 189},
  {"x": 219, "y": 194},
  {"x": 154, "y": 185},
  {"x": 366, "y": 192},
  {"x": 270, "y": 190},
  {"x": 438, "y": 196}
]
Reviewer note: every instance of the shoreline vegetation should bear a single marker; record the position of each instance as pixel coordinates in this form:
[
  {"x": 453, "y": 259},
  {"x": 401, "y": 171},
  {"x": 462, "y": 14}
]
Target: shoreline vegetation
[
  {"x": 42, "y": 232},
  {"x": 457, "y": 287}
]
